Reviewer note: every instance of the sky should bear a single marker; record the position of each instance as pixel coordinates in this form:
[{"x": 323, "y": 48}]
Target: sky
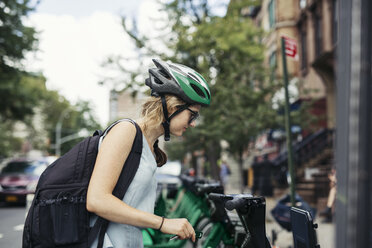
[{"x": 75, "y": 37}]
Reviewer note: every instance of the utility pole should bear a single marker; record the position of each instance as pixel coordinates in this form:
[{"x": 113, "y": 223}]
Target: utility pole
[{"x": 288, "y": 124}]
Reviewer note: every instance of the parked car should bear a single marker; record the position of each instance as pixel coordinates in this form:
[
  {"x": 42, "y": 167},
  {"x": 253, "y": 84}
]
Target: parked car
[
  {"x": 19, "y": 178},
  {"x": 168, "y": 176}
]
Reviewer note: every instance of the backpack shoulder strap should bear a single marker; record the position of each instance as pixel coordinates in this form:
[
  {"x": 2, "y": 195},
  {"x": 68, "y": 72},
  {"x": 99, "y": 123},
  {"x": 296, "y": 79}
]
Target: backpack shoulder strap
[
  {"x": 126, "y": 176},
  {"x": 130, "y": 166},
  {"x": 116, "y": 122},
  {"x": 105, "y": 132}
]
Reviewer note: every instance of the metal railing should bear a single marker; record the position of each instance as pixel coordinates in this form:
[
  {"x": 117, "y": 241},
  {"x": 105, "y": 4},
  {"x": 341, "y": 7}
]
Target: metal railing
[{"x": 308, "y": 148}]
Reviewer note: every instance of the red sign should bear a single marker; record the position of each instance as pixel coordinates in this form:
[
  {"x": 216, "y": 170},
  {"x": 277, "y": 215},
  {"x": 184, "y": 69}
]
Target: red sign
[{"x": 290, "y": 47}]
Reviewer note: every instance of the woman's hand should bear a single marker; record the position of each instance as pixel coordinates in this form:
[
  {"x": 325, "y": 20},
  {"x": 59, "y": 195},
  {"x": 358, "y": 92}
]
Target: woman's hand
[{"x": 180, "y": 227}]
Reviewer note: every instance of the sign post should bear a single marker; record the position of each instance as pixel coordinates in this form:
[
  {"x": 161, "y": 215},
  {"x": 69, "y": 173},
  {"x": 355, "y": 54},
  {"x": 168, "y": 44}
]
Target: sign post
[{"x": 289, "y": 47}]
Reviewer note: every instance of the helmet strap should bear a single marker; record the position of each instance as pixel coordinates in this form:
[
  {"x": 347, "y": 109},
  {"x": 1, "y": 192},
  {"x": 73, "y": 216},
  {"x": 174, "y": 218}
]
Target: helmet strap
[
  {"x": 179, "y": 110},
  {"x": 166, "y": 123}
]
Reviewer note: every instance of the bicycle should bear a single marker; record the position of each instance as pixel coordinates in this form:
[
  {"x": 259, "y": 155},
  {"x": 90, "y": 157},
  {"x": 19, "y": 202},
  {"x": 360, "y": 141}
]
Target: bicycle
[
  {"x": 190, "y": 202},
  {"x": 207, "y": 205}
]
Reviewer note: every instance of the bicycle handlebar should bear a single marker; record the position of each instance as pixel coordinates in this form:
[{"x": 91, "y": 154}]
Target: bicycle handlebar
[
  {"x": 191, "y": 180},
  {"x": 243, "y": 202},
  {"x": 209, "y": 188},
  {"x": 235, "y": 203},
  {"x": 219, "y": 197}
]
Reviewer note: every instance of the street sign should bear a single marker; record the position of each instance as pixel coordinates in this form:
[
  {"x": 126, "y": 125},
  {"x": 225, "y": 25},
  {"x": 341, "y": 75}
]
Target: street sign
[{"x": 290, "y": 47}]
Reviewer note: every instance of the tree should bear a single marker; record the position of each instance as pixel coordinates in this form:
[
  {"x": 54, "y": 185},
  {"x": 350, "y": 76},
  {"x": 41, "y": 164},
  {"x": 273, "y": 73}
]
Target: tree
[
  {"x": 75, "y": 118},
  {"x": 16, "y": 39},
  {"x": 8, "y": 143}
]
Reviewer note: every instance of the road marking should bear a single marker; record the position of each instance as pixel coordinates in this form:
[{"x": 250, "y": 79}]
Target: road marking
[
  {"x": 1, "y": 235},
  {"x": 18, "y": 228}
]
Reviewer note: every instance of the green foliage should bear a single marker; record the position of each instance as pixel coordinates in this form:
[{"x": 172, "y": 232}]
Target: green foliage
[
  {"x": 19, "y": 98},
  {"x": 74, "y": 118},
  {"x": 8, "y": 143},
  {"x": 17, "y": 38},
  {"x": 18, "y": 102},
  {"x": 16, "y": 95},
  {"x": 227, "y": 51},
  {"x": 80, "y": 117}
]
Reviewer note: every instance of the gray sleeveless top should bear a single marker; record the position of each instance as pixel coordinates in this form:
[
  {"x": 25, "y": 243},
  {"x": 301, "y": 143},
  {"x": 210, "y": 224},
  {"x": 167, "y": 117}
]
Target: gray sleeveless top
[{"x": 141, "y": 194}]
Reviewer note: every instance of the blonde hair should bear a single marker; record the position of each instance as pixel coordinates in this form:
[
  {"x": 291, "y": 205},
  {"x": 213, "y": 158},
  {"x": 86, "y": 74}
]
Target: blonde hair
[
  {"x": 152, "y": 114},
  {"x": 152, "y": 109}
]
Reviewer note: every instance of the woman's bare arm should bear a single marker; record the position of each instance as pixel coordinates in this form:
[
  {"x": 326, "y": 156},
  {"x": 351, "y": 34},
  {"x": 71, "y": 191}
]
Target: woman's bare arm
[{"x": 113, "y": 152}]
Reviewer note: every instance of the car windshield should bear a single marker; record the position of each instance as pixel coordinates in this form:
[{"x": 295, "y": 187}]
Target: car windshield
[{"x": 20, "y": 167}]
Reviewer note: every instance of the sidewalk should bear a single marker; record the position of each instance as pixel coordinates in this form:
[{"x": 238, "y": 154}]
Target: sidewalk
[{"x": 325, "y": 231}]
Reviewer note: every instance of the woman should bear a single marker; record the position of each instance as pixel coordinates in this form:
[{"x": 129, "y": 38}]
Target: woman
[{"x": 178, "y": 92}]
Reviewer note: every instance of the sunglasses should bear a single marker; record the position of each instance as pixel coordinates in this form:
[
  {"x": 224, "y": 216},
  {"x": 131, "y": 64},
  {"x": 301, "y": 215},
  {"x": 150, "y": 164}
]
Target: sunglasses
[{"x": 194, "y": 115}]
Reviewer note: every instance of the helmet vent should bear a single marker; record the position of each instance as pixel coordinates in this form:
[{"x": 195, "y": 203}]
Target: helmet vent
[
  {"x": 164, "y": 74},
  {"x": 198, "y": 90},
  {"x": 209, "y": 96},
  {"x": 157, "y": 81},
  {"x": 177, "y": 69},
  {"x": 193, "y": 77}
]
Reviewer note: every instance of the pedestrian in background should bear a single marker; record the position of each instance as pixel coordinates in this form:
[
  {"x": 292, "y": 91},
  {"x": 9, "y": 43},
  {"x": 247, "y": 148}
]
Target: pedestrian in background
[
  {"x": 328, "y": 211},
  {"x": 225, "y": 173}
]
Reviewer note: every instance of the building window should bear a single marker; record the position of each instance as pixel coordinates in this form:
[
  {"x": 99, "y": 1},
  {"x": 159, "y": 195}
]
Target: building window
[
  {"x": 334, "y": 22},
  {"x": 272, "y": 13},
  {"x": 318, "y": 33},
  {"x": 272, "y": 60},
  {"x": 272, "y": 64},
  {"x": 303, "y": 50}
]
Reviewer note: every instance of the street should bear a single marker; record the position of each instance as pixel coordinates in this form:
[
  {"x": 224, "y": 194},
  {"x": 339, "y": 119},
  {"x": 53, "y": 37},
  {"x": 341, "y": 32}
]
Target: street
[{"x": 11, "y": 226}]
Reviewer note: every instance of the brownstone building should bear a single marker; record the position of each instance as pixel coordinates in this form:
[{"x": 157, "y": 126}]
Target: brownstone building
[
  {"x": 313, "y": 24},
  {"x": 317, "y": 25}
]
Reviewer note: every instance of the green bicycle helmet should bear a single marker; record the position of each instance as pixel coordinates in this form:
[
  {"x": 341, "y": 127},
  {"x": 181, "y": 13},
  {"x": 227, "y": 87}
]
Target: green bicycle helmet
[{"x": 178, "y": 80}]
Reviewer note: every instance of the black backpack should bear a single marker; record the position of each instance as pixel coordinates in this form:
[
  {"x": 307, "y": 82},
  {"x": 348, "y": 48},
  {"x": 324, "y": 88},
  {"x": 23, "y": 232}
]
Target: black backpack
[{"x": 58, "y": 216}]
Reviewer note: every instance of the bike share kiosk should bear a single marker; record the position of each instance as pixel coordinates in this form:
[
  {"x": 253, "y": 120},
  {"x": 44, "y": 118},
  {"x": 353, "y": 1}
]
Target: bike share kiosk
[{"x": 303, "y": 228}]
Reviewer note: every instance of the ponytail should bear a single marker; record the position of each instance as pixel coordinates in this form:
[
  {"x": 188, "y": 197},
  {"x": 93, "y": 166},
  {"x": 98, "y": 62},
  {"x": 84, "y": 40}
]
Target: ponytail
[{"x": 161, "y": 157}]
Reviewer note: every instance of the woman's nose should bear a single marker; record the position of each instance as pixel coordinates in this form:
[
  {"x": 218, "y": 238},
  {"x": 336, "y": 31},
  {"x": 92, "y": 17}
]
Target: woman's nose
[{"x": 193, "y": 123}]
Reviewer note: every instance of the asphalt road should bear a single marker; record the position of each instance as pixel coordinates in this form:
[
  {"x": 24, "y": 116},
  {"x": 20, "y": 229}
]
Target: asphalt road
[{"x": 11, "y": 226}]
